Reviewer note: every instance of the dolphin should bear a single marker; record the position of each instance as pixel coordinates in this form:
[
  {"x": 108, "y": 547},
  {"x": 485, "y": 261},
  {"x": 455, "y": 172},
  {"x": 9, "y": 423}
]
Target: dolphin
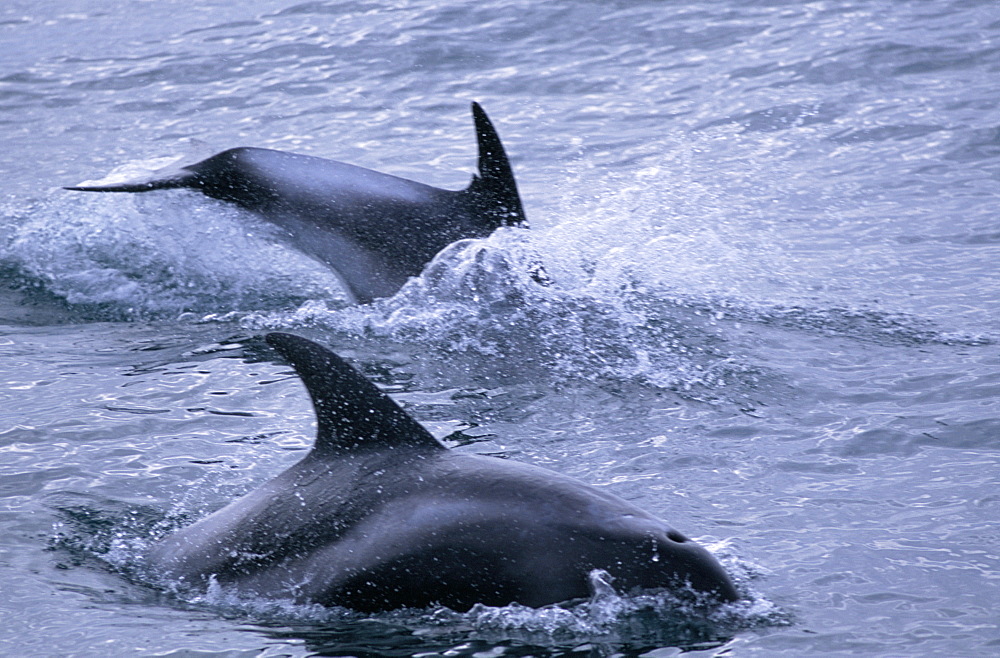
[
  {"x": 373, "y": 229},
  {"x": 380, "y": 515}
]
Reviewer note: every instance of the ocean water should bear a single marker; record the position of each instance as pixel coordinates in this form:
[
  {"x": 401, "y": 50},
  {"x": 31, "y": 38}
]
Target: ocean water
[{"x": 772, "y": 231}]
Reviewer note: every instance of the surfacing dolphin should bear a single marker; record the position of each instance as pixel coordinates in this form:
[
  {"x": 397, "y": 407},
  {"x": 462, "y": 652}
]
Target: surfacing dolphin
[
  {"x": 380, "y": 515},
  {"x": 373, "y": 229}
]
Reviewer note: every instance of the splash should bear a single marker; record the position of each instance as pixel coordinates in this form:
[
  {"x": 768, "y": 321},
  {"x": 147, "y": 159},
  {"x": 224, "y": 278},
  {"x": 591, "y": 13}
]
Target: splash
[{"x": 126, "y": 257}]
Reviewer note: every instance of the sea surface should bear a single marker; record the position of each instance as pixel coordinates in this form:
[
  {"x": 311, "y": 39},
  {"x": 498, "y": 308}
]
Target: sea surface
[{"x": 773, "y": 235}]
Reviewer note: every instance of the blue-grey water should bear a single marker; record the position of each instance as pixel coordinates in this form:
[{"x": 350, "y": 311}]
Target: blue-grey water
[{"x": 773, "y": 231}]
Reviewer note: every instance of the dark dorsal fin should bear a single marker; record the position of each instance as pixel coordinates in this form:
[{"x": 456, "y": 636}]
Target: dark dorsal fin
[
  {"x": 352, "y": 414},
  {"x": 494, "y": 187}
]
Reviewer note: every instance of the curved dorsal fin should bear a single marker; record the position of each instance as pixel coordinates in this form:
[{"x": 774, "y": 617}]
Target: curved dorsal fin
[
  {"x": 494, "y": 187},
  {"x": 351, "y": 413}
]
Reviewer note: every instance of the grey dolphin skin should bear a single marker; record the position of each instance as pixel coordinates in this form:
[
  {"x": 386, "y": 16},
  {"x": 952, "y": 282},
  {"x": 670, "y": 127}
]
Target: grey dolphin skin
[
  {"x": 375, "y": 230},
  {"x": 380, "y": 515}
]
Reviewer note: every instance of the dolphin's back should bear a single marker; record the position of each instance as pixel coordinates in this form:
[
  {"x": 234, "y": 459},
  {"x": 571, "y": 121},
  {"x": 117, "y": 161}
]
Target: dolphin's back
[
  {"x": 257, "y": 178},
  {"x": 461, "y": 529}
]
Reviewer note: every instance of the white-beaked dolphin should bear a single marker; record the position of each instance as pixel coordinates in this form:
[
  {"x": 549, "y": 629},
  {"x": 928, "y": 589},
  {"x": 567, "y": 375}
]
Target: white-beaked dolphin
[
  {"x": 380, "y": 515},
  {"x": 373, "y": 229}
]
